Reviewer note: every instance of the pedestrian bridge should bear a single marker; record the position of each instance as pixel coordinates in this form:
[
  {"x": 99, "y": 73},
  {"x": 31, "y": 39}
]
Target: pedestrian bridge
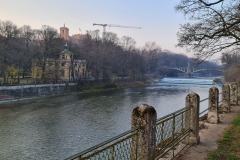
[{"x": 188, "y": 70}]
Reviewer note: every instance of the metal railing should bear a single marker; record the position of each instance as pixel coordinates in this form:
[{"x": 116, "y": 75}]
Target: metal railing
[
  {"x": 203, "y": 100},
  {"x": 203, "y": 117},
  {"x": 122, "y": 147},
  {"x": 171, "y": 130}
]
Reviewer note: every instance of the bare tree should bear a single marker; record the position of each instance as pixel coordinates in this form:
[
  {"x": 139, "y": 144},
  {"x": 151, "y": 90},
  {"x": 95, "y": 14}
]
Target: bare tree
[
  {"x": 107, "y": 52},
  {"x": 232, "y": 73},
  {"x": 230, "y": 58},
  {"x": 151, "y": 53},
  {"x": 25, "y": 50},
  {"x": 49, "y": 46},
  {"x": 128, "y": 43},
  {"x": 95, "y": 35},
  {"x": 8, "y": 39},
  {"x": 89, "y": 50},
  {"x": 213, "y": 26},
  {"x": 137, "y": 65}
]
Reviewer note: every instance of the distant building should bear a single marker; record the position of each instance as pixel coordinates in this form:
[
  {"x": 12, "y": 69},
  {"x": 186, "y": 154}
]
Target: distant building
[
  {"x": 65, "y": 68},
  {"x": 64, "y": 33},
  {"x": 71, "y": 69}
]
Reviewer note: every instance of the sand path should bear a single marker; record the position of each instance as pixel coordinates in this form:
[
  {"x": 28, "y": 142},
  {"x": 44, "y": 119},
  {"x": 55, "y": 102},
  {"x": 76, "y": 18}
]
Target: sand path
[{"x": 209, "y": 137}]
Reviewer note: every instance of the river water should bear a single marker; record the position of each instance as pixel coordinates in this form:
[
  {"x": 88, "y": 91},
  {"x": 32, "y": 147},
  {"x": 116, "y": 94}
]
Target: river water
[{"x": 57, "y": 127}]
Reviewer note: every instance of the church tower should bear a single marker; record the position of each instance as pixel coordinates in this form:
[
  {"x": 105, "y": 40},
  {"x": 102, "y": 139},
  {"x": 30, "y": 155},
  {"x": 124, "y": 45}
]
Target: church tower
[{"x": 64, "y": 33}]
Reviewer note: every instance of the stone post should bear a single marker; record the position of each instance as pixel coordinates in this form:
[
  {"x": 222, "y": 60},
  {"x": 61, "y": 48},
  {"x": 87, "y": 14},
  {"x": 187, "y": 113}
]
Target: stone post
[
  {"x": 193, "y": 100},
  {"x": 144, "y": 116},
  {"x": 234, "y": 94},
  {"x": 213, "y": 111},
  {"x": 225, "y": 106},
  {"x": 238, "y": 89}
]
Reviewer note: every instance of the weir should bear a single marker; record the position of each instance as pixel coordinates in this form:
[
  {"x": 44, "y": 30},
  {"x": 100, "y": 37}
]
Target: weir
[{"x": 12, "y": 93}]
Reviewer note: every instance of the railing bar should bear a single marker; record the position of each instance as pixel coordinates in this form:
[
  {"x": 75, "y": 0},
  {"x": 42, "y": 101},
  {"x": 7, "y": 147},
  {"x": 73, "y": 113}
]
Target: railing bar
[
  {"x": 164, "y": 120},
  {"x": 162, "y": 134},
  {"x": 96, "y": 151},
  {"x": 103, "y": 143},
  {"x": 177, "y": 114},
  {"x": 183, "y": 110},
  {"x": 204, "y": 111},
  {"x": 170, "y": 117},
  {"x": 203, "y": 100},
  {"x": 182, "y": 121},
  {"x": 173, "y": 130},
  {"x": 181, "y": 135}
]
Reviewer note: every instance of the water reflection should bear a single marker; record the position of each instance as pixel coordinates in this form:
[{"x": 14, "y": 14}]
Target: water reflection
[{"x": 58, "y": 127}]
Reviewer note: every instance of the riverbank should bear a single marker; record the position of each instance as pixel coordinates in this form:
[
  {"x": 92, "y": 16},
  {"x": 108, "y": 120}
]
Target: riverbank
[
  {"x": 93, "y": 86},
  {"x": 209, "y": 137}
]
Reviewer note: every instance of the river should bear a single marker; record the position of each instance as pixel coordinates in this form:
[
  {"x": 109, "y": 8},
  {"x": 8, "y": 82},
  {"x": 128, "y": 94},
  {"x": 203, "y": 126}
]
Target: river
[{"x": 57, "y": 127}]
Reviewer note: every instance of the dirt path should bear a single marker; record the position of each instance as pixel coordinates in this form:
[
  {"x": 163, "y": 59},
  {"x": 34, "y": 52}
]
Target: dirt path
[{"x": 209, "y": 137}]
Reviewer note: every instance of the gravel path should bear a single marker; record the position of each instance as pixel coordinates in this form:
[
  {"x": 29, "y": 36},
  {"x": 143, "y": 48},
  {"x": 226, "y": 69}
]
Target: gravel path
[{"x": 209, "y": 137}]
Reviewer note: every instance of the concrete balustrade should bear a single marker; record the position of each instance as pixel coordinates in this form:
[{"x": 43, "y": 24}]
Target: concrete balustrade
[
  {"x": 145, "y": 116},
  {"x": 193, "y": 101},
  {"x": 234, "y": 94},
  {"x": 225, "y": 106},
  {"x": 238, "y": 91},
  {"x": 213, "y": 109}
]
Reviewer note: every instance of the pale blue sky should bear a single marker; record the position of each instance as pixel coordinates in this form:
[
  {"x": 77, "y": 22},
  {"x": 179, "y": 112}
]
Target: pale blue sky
[{"x": 158, "y": 19}]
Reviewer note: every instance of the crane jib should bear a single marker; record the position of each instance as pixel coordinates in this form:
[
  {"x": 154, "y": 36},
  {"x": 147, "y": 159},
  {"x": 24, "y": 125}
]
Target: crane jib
[{"x": 113, "y": 25}]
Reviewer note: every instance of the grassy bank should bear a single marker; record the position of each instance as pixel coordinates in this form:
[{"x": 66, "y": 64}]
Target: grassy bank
[{"x": 229, "y": 144}]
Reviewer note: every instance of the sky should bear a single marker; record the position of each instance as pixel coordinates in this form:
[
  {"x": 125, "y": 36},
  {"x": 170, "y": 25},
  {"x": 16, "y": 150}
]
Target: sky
[{"x": 158, "y": 19}]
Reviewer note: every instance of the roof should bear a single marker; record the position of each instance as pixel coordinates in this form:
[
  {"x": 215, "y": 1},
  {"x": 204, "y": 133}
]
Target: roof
[{"x": 66, "y": 51}]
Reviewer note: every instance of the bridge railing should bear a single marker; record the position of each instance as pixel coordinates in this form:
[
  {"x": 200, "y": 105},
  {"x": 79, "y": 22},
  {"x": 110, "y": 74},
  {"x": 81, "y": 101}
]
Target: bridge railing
[{"x": 164, "y": 138}]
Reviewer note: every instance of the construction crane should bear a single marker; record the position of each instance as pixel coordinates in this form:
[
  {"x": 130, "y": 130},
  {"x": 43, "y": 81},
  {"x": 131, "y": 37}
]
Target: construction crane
[{"x": 113, "y": 25}]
